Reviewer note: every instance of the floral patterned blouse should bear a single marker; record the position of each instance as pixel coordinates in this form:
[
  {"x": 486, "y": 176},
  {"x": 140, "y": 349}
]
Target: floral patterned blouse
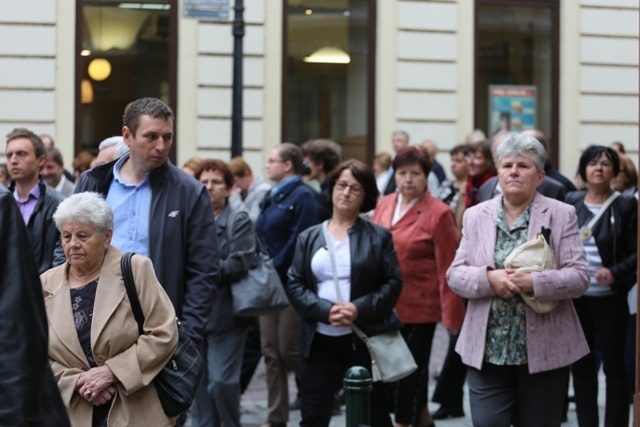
[{"x": 506, "y": 341}]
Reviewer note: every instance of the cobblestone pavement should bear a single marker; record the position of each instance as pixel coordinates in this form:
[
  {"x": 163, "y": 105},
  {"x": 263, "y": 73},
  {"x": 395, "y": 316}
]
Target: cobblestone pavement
[{"x": 254, "y": 401}]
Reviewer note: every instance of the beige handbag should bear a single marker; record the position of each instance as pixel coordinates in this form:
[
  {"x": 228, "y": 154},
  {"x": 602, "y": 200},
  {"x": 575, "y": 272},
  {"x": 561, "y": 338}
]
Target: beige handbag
[{"x": 533, "y": 256}]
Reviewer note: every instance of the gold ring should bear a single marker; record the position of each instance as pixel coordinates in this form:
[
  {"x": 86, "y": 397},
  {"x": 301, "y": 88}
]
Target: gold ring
[{"x": 87, "y": 393}]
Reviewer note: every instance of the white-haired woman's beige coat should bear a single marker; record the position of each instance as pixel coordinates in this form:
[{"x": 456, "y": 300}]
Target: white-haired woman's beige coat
[{"x": 135, "y": 360}]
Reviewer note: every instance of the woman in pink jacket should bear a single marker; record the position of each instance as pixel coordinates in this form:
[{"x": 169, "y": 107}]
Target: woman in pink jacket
[
  {"x": 518, "y": 360},
  {"x": 425, "y": 235}
]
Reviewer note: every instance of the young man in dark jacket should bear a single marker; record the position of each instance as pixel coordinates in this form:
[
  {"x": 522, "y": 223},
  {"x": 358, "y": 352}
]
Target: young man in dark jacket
[{"x": 37, "y": 202}]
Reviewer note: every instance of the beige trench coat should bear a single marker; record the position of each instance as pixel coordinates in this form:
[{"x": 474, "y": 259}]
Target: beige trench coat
[{"x": 135, "y": 360}]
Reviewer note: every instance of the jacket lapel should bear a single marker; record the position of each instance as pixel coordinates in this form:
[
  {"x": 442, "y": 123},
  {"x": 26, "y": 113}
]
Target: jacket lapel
[
  {"x": 488, "y": 215},
  {"x": 57, "y": 300},
  {"x": 539, "y": 216},
  {"x": 109, "y": 293}
]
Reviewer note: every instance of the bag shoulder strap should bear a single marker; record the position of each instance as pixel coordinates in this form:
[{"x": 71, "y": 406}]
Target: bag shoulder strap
[
  {"x": 594, "y": 219},
  {"x": 334, "y": 270},
  {"x": 129, "y": 284}
]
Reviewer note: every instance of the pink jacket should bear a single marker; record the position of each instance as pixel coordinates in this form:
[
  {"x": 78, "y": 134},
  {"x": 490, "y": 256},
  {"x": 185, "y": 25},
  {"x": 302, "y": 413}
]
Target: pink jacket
[
  {"x": 426, "y": 239},
  {"x": 555, "y": 339}
]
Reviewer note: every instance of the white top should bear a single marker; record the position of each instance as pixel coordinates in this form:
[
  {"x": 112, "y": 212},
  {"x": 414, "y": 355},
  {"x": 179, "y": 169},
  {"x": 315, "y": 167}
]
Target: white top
[
  {"x": 321, "y": 268},
  {"x": 594, "y": 260},
  {"x": 397, "y": 215}
]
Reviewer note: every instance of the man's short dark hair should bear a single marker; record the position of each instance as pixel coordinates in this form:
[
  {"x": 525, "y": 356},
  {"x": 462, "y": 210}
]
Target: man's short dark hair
[
  {"x": 151, "y": 107},
  {"x": 55, "y": 155},
  {"x": 462, "y": 148},
  {"x": 323, "y": 150},
  {"x": 37, "y": 143}
]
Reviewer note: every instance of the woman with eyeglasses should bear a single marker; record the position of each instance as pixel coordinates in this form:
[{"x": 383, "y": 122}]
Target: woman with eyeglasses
[
  {"x": 369, "y": 283},
  {"x": 288, "y": 209},
  {"x": 426, "y": 238},
  {"x": 608, "y": 228}
]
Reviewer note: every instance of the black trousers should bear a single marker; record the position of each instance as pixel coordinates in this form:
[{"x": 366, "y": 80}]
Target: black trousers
[
  {"x": 605, "y": 318},
  {"x": 411, "y": 393},
  {"x": 501, "y": 396},
  {"x": 449, "y": 389},
  {"x": 321, "y": 376}
]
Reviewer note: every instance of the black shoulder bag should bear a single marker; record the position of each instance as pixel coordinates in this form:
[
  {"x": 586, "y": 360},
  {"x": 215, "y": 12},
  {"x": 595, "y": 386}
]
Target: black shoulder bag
[{"x": 176, "y": 384}]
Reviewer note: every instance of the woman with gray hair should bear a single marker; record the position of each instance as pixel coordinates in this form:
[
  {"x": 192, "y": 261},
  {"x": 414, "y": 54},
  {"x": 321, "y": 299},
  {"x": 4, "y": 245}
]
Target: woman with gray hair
[
  {"x": 518, "y": 357},
  {"x": 103, "y": 367}
]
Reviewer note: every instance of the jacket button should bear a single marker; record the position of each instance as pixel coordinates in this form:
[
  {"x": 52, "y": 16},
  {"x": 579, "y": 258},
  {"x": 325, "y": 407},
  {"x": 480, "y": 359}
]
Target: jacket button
[{"x": 99, "y": 359}]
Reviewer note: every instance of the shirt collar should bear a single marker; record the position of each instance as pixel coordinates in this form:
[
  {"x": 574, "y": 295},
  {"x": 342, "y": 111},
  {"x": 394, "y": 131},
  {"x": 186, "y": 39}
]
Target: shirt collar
[{"x": 33, "y": 194}]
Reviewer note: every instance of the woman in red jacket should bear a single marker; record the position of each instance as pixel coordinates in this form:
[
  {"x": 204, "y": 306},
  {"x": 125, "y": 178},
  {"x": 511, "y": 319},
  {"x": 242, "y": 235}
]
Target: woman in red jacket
[{"x": 426, "y": 238}]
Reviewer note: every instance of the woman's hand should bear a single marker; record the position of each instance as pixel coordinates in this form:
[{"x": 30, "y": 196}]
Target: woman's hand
[
  {"x": 604, "y": 277},
  {"x": 94, "y": 382},
  {"x": 521, "y": 279},
  {"x": 104, "y": 397},
  {"x": 343, "y": 314},
  {"x": 501, "y": 284}
]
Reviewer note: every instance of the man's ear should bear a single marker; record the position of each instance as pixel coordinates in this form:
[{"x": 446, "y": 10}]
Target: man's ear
[{"x": 127, "y": 135}]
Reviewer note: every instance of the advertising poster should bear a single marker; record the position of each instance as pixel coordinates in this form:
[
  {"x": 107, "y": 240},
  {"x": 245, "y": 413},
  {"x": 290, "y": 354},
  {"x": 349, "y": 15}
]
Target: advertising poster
[{"x": 511, "y": 108}]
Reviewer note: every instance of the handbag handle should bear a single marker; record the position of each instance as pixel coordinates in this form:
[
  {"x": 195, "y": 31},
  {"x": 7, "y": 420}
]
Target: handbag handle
[
  {"x": 129, "y": 284},
  {"x": 334, "y": 270}
]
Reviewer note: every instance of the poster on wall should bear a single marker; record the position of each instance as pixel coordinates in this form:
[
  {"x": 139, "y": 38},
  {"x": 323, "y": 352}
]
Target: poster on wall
[{"x": 511, "y": 108}]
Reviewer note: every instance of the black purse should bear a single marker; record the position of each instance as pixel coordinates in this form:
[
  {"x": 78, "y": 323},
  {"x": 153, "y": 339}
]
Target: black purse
[{"x": 178, "y": 381}]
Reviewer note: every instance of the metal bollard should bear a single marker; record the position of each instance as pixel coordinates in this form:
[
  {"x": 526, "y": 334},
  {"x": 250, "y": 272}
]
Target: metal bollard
[{"x": 357, "y": 386}]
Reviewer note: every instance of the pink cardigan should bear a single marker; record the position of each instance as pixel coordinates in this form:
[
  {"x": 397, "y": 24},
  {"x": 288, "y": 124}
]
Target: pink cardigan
[
  {"x": 426, "y": 239},
  {"x": 555, "y": 339}
]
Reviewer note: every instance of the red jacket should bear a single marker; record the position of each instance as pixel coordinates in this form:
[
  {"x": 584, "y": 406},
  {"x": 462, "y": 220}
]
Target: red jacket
[{"x": 426, "y": 239}]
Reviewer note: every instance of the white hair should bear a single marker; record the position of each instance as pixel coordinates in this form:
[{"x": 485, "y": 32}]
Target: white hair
[
  {"x": 86, "y": 208},
  {"x": 108, "y": 142}
]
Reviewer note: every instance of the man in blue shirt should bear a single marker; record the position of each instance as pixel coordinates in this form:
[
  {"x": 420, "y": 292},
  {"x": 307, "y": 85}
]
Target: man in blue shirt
[{"x": 161, "y": 212}]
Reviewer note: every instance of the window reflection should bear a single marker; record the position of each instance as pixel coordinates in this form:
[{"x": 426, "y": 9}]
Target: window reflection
[
  {"x": 326, "y": 73},
  {"x": 514, "y": 47},
  {"x": 124, "y": 55}
]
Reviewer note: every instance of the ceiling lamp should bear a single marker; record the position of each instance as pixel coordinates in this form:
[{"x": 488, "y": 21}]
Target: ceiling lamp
[
  {"x": 99, "y": 69},
  {"x": 329, "y": 55}
]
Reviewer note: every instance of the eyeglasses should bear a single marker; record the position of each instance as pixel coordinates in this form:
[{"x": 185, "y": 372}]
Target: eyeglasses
[
  {"x": 355, "y": 189},
  {"x": 272, "y": 161}
]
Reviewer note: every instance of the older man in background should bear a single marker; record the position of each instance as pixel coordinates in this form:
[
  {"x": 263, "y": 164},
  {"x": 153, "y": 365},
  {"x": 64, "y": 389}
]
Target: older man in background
[{"x": 53, "y": 173}]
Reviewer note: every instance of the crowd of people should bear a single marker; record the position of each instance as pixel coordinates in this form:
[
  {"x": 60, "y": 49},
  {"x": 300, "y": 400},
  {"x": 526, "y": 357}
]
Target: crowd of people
[{"x": 392, "y": 246}]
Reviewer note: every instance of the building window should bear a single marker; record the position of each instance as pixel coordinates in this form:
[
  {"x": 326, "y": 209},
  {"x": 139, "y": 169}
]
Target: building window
[
  {"x": 517, "y": 45},
  {"x": 124, "y": 51},
  {"x": 328, "y": 73}
]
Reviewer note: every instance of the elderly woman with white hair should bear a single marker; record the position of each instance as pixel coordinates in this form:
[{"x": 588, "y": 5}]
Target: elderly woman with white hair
[
  {"x": 103, "y": 367},
  {"x": 518, "y": 357}
]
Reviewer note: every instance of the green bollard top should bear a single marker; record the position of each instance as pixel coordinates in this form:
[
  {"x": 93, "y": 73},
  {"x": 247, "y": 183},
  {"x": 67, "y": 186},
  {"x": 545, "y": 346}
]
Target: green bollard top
[{"x": 357, "y": 378}]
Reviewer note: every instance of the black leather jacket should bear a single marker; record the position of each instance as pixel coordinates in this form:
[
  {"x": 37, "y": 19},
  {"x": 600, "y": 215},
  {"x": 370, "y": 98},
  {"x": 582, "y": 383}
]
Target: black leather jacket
[
  {"x": 29, "y": 395},
  {"x": 182, "y": 239},
  {"x": 376, "y": 282},
  {"x": 615, "y": 233},
  {"x": 42, "y": 230}
]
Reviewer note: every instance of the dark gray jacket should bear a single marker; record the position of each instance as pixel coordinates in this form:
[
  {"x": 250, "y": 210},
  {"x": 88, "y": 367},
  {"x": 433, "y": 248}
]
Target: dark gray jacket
[
  {"x": 182, "y": 239},
  {"x": 237, "y": 255},
  {"x": 42, "y": 230},
  {"x": 376, "y": 282}
]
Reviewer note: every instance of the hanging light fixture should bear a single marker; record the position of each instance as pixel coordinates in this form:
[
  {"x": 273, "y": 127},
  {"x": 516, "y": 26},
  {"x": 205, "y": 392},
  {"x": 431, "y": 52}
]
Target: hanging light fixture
[
  {"x": 329, "y": 55},
  {"x": 99, "y": 69}
]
